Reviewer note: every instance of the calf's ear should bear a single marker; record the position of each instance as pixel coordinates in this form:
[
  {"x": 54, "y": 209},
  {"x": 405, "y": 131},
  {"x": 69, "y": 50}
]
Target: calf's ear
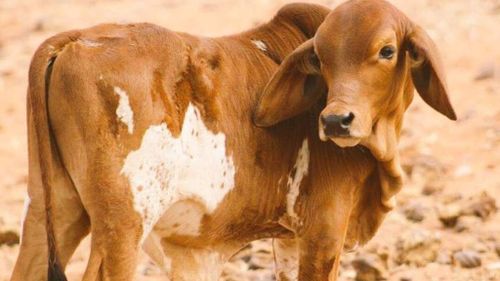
[
  {"x": 427, "y": 71},
  {"x": 295, "y": 86}
]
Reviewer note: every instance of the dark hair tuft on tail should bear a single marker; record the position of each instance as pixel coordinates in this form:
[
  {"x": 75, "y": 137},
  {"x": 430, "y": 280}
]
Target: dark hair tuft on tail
[{"x": 56, "y": 273}]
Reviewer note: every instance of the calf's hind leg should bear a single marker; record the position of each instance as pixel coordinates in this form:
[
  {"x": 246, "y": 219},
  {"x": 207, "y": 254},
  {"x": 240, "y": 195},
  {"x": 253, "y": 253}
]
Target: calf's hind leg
[
  {"x": 70, "y": 220},
  {"x": 116, "y": 227}
]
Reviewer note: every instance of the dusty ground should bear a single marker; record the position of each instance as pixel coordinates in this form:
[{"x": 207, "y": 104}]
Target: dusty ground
[{"x": 450, "y": 161}]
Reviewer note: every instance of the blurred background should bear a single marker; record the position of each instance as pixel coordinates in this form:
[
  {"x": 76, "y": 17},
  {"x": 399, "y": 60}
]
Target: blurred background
[{"x": 446, "y": 225}]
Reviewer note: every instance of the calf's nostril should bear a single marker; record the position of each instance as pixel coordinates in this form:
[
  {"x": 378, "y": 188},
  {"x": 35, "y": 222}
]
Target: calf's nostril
[
  {"x": 323, "y": 120},
  {"x": 347, "y": 120}
]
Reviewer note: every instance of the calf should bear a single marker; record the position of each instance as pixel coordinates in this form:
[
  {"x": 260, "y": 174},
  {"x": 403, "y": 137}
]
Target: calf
[{"x": 145, "y": 137}]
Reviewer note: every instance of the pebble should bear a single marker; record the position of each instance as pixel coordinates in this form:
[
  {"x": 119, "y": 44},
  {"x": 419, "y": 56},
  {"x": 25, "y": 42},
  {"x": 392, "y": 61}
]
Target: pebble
[
  {"x": 482, "y": 205},
  {"x": 432, "y": 187},
  {"x": 448, "y": 215},
  {"x": 423, "y": 167},
  {"x": 467, "y": 258},
  {"x": 417, "y": 248},
  {"x": 9, "y": 238},
  {"x": 415, "y": 212},
  {"x": 369, "y": 267}
]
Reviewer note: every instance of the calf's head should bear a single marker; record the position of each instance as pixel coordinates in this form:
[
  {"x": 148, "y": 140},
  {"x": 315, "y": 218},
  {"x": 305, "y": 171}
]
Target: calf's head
[{"x": 367, "y": 58}]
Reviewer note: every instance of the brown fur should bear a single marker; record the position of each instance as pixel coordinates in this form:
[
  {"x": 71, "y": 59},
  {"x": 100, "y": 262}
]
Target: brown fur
[{"x": 77, "y": 146}]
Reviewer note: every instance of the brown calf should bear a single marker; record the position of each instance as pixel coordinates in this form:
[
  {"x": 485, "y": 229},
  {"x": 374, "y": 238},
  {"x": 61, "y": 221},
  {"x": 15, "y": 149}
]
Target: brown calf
[{"x": 146, "y": 137}]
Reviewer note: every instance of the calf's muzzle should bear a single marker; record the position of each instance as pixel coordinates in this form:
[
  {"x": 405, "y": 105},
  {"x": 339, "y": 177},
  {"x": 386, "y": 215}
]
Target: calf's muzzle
[{"x": 337, "y": 125}]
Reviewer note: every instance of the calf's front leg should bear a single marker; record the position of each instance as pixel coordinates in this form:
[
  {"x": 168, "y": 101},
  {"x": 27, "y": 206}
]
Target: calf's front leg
[{"x": 322, "y": 240}]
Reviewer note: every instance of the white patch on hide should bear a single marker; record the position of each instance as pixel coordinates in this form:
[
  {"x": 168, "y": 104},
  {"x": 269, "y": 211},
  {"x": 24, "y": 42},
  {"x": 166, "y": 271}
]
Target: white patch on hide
[
  {"x": 124, "y": 111},
  {"x": 301, "y": 168},
  {"x": 165, "y": 169},
  {"x": 27, "y": 202},
  {"x": 260, "y": 45}
]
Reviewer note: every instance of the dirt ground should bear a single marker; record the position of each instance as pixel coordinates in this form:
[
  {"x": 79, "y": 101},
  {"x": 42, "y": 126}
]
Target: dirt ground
[{"x": 453, "y": 167}]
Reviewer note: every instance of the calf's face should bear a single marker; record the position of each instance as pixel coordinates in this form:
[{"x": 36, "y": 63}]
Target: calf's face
[{"x": 365, "y": 58}]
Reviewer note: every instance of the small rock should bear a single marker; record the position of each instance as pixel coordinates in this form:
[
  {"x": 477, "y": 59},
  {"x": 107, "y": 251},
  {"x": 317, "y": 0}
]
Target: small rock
[
  {"x": 481, "y": 206},
  {"x": 383, "y": 253},
  {"x": 448, "y": 215},
  {"x": 467, "y": 258},
  {"x": 424, "y": 167},
  {"x": 417, "y": 248},
  {"x": 415, "y": 212},
  {"x": 246, "y": 258},
  {"x": 369, "y": 268},
  {"x": 254, "y": 266},
  {"x": 405, "y": 278},
  {"x": 486, "y": 71},
  {"x": 433, "y": 187},
  {"x": 260, "y": 261},
  {"x": 497, "y": 249},
  {"x": 9, "y": 238}
]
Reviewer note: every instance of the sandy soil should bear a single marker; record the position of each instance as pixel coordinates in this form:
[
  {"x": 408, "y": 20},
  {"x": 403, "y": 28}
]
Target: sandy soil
[{"x": 453, "y": 161}]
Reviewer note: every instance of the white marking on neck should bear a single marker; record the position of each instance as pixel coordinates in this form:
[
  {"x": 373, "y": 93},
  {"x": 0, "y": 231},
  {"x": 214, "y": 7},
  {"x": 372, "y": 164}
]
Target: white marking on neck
[
  {"x": 260, "y": 45},
  {"x": 301, "y": 168},
  {"x": 27, "y": 202},
  {"x": 165, "y": 169},
  {"x": 90, "y": 43},
  {"x": 124, "y": 111}
]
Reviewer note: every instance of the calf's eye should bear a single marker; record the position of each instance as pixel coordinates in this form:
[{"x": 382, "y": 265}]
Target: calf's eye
[
  {"x": 387, "y": 52},
  {"x": 314, "y": 60}
]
